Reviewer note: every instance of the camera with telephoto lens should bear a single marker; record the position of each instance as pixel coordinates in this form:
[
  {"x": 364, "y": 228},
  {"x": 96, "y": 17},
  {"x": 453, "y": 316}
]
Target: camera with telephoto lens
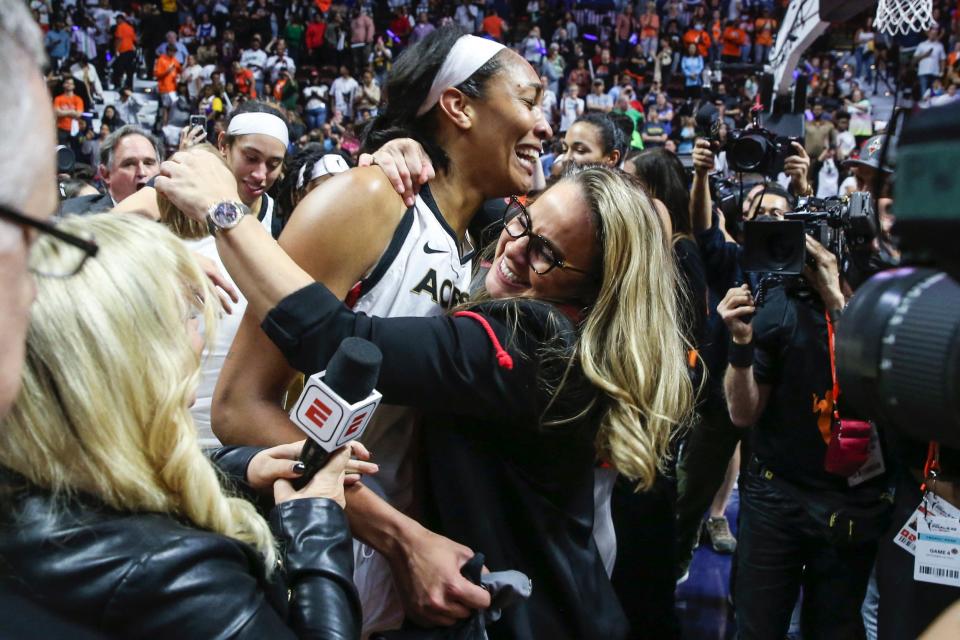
[
  {"x": 844, "y": 225},
  {"x": 757, "y": 150},
  {"x": 898, "y": 340}
]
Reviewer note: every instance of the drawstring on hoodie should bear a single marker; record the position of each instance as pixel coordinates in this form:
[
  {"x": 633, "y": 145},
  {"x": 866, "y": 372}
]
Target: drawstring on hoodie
[{"x": 503, "y": 358}]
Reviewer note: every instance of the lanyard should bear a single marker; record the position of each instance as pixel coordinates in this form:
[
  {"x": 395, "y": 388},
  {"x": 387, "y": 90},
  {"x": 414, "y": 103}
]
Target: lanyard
[
  {"x": 931, "y": 466},
  {"x": 833, "y": 366}
]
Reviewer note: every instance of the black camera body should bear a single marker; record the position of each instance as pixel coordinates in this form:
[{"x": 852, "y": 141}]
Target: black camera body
[
  {"x": 844, "y": 225},
  {"x": 725, "y": 195},
  {"x": 757, "y": 150},
  {"x": 66, "y": 159}
]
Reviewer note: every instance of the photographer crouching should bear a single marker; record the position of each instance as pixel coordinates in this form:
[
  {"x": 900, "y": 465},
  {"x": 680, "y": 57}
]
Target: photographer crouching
[{"x": 812, "y": 501}]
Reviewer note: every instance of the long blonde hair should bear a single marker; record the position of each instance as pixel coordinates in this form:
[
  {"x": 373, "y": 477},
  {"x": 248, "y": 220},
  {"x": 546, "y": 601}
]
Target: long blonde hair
[
  {"x": 631, "y": 345},
  {"x": 108, "y": 378}
]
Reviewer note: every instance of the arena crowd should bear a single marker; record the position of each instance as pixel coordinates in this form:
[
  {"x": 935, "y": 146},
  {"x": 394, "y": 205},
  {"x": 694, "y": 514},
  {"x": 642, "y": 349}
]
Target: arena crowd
[{"x": 536, "y": 214}]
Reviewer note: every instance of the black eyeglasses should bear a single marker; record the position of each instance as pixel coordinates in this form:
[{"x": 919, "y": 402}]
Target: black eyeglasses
[
  {"x": 541, "y": 254},
  {"x": 69, "y": 254}
]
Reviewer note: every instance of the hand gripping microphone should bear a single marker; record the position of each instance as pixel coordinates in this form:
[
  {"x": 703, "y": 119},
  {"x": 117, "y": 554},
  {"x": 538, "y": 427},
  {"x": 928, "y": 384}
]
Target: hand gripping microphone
[{"x": 336, "y": 404}]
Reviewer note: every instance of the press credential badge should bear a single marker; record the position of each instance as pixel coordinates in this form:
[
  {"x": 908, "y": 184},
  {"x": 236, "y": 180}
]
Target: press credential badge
[
  {"x": 931, "y": 505},
  {"x": 937, "y": 558}
]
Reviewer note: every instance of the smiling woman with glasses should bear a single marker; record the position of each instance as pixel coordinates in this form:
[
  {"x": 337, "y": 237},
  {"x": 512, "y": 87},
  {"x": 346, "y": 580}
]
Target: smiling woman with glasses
[
  {"x": 569, "y": 356},
  {"x": 72, "y": 251},
  {"x": 541, "y": 253}
]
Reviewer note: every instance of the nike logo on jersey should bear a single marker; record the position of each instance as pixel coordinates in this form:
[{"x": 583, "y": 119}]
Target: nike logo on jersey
[{"x": 427, "y": 249}]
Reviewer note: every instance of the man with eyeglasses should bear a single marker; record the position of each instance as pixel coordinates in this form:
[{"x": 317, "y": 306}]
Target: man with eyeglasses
[{"x": 28, "y": 197}]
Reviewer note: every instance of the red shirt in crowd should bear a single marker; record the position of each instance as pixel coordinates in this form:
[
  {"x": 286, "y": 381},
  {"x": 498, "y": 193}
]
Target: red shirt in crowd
[
  {"x": 401, "y": 27},
  {"x": 493, "y": 25},
  {"x": 73, "y": 103},
  {"x": 245, "y": 83},
  {"x": 700, "y": 38},
  {"x": 716, "y": 30},
  {"x": 166, "y": 70},
  {"x": 314, "y": 36},
  {"x": 649, "y": 25},
  {"x": 764, "y": 28},
  {"x": 733, "y": 39},
  {"x": 125, "y": 37}
]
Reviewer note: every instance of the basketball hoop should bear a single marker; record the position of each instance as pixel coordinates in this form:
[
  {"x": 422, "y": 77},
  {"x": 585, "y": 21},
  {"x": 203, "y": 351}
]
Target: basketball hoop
[{"x": 900, "y": 17}]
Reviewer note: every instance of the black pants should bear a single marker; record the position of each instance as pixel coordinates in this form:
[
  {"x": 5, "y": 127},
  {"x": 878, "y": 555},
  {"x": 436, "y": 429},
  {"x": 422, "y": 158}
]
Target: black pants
[
  {"x": 124, "y": 65},
  {"x": 692, "y": 92},
  {"x": 907, "y": 607},
  {"x": 359, "y": 57},
  {"x": 644, "y": 576},
  {"x": 782, "y": 548},
  {"x": 701, "y": 469}
]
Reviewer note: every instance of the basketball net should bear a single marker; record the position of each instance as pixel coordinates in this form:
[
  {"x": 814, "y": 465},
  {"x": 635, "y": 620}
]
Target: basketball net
[{"x": 900, "y": 17}]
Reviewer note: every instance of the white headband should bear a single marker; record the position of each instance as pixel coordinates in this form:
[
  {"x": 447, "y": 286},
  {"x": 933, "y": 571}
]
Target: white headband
[
  {"x": 265, "y": 123},
  {"x": 468, "y": 54},
  {"x": 332, "y": 163}
]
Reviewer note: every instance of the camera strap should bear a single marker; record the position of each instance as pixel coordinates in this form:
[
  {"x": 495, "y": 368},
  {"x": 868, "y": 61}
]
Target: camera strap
[
  {"x": 853, "y": 448},
  {"x": 831, "y": 338}
]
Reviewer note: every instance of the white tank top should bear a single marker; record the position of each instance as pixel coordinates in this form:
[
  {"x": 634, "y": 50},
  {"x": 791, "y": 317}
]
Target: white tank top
[
  {"x": 227, "y": 326},
  {"x": 421, "y": 273}
]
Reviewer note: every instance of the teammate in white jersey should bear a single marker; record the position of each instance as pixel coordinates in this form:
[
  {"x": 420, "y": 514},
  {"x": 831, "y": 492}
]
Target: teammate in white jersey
[
  {"x": 475, "y": 107},
  {"x": 253, "y": 147}
]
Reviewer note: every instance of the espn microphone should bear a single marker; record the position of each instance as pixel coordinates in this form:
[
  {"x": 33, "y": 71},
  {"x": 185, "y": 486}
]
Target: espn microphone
[{"x": 336, "y": 404}]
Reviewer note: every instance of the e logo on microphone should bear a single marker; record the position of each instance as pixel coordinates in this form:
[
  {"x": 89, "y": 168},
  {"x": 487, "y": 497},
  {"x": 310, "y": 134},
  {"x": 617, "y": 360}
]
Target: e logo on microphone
[
  {"x": 318, "y": 413},
  {"x": 328, "y": 419}
]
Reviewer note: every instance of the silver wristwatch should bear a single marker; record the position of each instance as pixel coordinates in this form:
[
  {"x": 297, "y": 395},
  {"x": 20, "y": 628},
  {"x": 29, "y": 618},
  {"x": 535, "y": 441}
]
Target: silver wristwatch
[{"x": 225, "y": 215}]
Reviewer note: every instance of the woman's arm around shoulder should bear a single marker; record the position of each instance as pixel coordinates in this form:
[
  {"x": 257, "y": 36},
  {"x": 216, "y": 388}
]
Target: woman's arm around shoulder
[{"x": 482, "y": 363}]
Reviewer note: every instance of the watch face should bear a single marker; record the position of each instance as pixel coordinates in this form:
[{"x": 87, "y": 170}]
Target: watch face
[{"x": 226, "y": 214}]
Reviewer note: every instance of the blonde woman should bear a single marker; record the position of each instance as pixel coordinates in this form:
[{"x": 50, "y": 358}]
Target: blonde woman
[
  {"x": 569, "y": 357},
  {"x": 111, "y": 515}
]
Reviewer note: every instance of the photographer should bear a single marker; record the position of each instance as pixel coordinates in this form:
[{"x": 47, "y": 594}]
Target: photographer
[
  {"x": 916, "y": 603},
  {"x": 721, "y": 252},
  {"x": 709, "y": 462},
  {"x": 806, "y": 520}
]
